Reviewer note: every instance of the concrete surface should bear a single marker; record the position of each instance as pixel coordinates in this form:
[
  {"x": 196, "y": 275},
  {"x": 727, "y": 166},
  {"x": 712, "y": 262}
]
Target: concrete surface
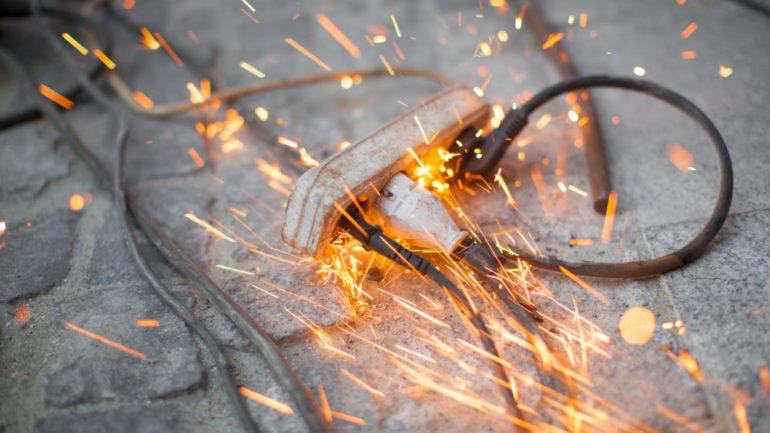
[{"x": 61, "y": 266}]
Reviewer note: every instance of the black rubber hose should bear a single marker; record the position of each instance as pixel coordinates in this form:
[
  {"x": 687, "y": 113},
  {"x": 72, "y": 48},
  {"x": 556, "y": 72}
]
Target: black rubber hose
[{"x": 516, "y": 120}]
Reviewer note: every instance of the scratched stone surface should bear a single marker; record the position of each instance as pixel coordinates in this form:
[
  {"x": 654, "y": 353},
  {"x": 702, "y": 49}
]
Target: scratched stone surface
[{"x": 59, "y": 266}]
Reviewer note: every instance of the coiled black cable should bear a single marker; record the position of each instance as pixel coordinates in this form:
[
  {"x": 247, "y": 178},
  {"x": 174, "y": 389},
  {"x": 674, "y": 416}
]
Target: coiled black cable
[{"x": 494, "y": 145}]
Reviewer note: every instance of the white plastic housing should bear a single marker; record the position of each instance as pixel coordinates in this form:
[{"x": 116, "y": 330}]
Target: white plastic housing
[
  {"x": 409, "y": 212},
  {"x": 364, "y": 168}
]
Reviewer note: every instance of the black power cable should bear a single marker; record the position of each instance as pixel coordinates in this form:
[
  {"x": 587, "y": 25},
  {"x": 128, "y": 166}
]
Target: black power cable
[
  {"x": 494, "y": 145},
  {"x": 371, "y": 237}
]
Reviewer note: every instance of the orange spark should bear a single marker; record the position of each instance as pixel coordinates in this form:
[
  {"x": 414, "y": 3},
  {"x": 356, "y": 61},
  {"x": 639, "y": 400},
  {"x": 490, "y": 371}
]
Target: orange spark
[
  {"x": 106, "y": 341},
  {"x": 264, "y": 400},
  {"x": 72, "y": 41},
  {"x": 349, "y": 418},
  {"x": 55, "y": 96},
  {"x": 581, "y": 242},
  {"x": 129, "y": 4},
  {"x": 337, "y": 34},
  {"x": 609, "y": 217},
  {"x": 725, "y": 71},
  {"x": 77, "y": 202},
  {"x": 387, "y": 65},
  {"x": 327, "y": 411},
  {"x": 3, "y": 227},
  {"x": 582, "y": 283},
  {"x": 104, "y": 59},
  {"x": 689, "y": 55},
  {"x": 689, "y": 30},
  {"x": 143, "y": 100},
  {"x": 362, "y": 384},
  {"x": 147, "y": 323},
  {"x": 552, "y": 40},
  {"x": 680, "y": 157},
  {"x": 637, "y": 325},
  {"x": 169, "y": 50},
  {"x": 148, "y": 40},
  {"x": 307, "y": 54},
  {"x": 208, "y": 227},
  {"x": 690, "y": 365},
  {"x": 21, "y": 315},
  {"x": 252, "y": 69},
  {"x": 740, "y": 416},
  {"x": 196, "y": 157},
  {"x": 764, "y": 379}
]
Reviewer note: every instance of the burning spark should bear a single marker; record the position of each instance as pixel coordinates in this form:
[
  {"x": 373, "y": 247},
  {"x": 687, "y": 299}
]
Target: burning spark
[
  {"x": 77, "y": 202},
  {"x": 248, "y": 5},
  {"x": 740, "y": 416},
  {"x": 81, "y": 49},
  {"x": 106, "y": 341},
  {"x": 387, "y": 65},
  {"x": 338, "y": 35},
  {"x": 690, "y": 365},
  {"x": 307, "y": 54},
  {"x": 689, "y": 55},
  {"x": 104, "y": 59},
  {"x": 362, "y": 384},
  {"x": 395, "y": 26},
  {"x": 129, "y": 4},
  {"x": 502, "y": 35},
  {"x": 208, "y": 227},
  {"x": 552, "y": 40},
  {"x": 236, "y": 270},
  {"x": 582, "y": 283},
  {"x": 581, "y": 242},
  {"x": 680, "y": 157},
  {"x": 196, "y": 157},
  {"x": 639, "y": 71},
  {"x": 252, "y": 69},
  {"x": 3, "y": 227},
  {"x": 637, "y": 325},
  {"x": 609, "y": 217},
  {"x": 543, "y": 121},
  {"x": 55, "y": 96},
  {"x": 583, "y": 20},
  {"x": 577, "y": 190},
  {"x": 346, "y": 82},
  {"x": 148, "y": 40},
  {"x": 147, "y": 323},
  {"x": 169, "y": 50},
  {"x": 264, "y": 400},
  {"x": 288, "y": 143},
  {"x": 143, "y": 100},
  {"x": 262, "y": 113},
  {"x": 348, "y": 418},
  {"x": 725, "y": 71},
  {"x": 689, "y": 30},
  {"x": 21, "y": 315}
]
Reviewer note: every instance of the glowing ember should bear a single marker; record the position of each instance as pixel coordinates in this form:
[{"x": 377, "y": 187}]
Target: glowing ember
[
  {"x": 552, "y": 40},
  {"x": 680, "y": 157},
  {"x": 107, "y": 342},
  {"x": 143, "y": 100},
  {"x": 55, "y": 96},
  {"x": 78, "y": 201},
  {"x": 72, "y": 41},
  {"x": 609, "y": 217},
  {"x": 21, "y": 315},
  {"x": 725, "y": 71},
  {"x": 639, "y": 71},
  {"x": 264, "y": 400},
  {"x": 637, "y": 325},
  {"x": 339, "y": 36},
  {"x": 147, "y": 323},
  {"x": 104, "y": 59},
  {"x": 307, "y": 54},
  {"x": 689, "y": 30},
  {"x": 251, "y": 69}
]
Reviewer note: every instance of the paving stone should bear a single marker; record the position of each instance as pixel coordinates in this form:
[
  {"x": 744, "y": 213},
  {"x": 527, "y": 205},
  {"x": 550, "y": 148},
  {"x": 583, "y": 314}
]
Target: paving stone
[
  {"x": 726, "y": 312},
  {"x": 86, "y": 371},
  {"x": 30, "y": 159},
  {"x": 36, "y": 258},
  {"x": 137, "y": 419}
]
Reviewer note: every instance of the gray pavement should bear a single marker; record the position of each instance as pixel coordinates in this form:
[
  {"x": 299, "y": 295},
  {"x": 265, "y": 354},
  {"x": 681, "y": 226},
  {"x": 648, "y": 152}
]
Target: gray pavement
[{"x": 62, "y": 270}]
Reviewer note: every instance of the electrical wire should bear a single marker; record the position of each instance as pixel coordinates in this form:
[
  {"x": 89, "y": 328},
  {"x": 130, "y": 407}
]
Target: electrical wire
[
  {"x": 285, "y": 376},
  {"x": 371, "y": 237},
  {"x": 494, "y": 145}
]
